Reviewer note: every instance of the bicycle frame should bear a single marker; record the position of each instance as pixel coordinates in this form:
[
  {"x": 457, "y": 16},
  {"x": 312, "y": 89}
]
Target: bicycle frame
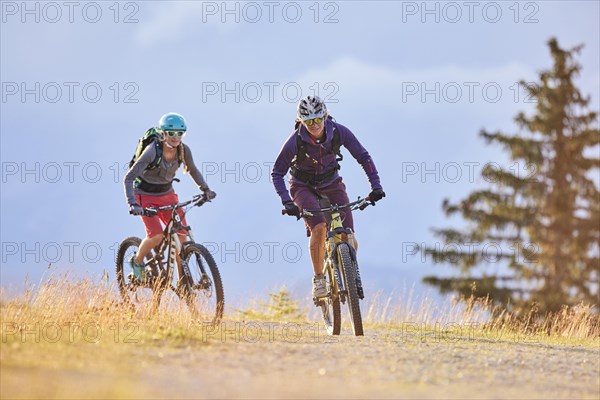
[
  {"x": 333, "y": 240},
  {"x": 171, "y": 239},
  {"x": 332, "y": 263},
  {"x": 174, "y": 245},
  {"x": 340, "y": 268},
  {"x": 198, "y": 283}
]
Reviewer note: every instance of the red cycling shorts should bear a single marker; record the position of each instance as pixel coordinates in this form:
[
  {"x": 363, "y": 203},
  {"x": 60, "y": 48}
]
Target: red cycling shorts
[{"x": 152, "y": 224}]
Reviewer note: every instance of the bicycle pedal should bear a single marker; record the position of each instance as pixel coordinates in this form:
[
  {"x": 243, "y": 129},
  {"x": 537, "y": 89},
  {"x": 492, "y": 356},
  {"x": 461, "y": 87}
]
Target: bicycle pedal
[
  {"x": 318, "y": 301},
  {"x": 132, "y": 279}
]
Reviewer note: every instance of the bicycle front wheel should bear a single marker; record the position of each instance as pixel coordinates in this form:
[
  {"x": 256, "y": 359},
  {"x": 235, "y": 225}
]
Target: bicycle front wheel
[
  {"x": 349, "y": 272},
  {"x": 205, "y": 296}
]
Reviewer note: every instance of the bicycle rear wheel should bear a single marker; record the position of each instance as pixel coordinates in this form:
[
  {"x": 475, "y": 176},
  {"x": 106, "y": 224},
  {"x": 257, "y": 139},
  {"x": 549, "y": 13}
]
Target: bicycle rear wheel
[
  {"x": 348, "y": 271},
  {"x": 204, "y": 294},
  {"x": 143, "y": 297},
  {"x": 330, "y": 307}
]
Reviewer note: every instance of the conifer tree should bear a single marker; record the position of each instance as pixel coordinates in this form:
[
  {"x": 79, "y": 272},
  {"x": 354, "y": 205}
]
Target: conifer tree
[{"x": 544, "y": 214}]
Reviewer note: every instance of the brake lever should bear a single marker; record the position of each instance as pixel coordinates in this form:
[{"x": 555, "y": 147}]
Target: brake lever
[
  {"x": 200, "y": 200},
  {"x": 365, "y": 203}
]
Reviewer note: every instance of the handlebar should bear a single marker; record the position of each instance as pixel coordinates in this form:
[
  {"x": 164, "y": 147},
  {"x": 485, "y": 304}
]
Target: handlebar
[
  {"x": 359, "y": 204},
  {"x": 198, "y": 200}
]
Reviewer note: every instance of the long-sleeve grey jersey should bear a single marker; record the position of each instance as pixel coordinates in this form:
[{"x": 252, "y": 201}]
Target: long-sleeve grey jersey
[{"x": 163, "y": 174}]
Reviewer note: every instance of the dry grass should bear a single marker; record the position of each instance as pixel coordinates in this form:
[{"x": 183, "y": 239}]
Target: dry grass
[
  {"x": 77, "y": 310},
  {"x": 577, "y": 324},
  {"x": 460, "y": 316},
  {"x": 72, "y": 338},
  {"x": 66, "y": 310}
]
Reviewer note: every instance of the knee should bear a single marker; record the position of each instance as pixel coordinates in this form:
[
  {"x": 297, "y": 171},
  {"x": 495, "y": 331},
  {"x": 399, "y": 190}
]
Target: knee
[
  {"x": 319, "y": 230},
  {"x": 157, "y": 239}
]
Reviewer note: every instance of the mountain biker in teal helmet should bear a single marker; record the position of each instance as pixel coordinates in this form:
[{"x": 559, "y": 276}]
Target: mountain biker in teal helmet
[
  {"x": 148, "y": 183},
  {"x": 172, "y": 122}
]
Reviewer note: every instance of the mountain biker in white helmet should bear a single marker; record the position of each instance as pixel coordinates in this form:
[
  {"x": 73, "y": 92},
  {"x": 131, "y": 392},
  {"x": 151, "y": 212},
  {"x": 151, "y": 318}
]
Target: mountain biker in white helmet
[{"x": 311, "y": 154}]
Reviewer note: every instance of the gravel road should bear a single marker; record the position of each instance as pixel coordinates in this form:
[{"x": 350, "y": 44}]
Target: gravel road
[{"x": 278, "y": 360}]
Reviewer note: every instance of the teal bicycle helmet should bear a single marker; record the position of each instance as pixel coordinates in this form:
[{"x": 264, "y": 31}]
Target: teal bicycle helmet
[{"x": 172, "y": 122}]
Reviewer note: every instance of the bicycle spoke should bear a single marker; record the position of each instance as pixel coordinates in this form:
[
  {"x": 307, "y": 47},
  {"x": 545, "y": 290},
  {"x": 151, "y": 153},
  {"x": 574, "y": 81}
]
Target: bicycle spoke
[{"x": 206, "y": 299}]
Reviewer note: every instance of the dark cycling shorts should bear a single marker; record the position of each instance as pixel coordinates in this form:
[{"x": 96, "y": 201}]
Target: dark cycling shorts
[{"x": 307, "y": 197}]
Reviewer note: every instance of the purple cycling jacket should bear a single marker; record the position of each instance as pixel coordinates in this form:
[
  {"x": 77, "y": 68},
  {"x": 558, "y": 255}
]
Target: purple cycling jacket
[{"x": 320, "y": 159}]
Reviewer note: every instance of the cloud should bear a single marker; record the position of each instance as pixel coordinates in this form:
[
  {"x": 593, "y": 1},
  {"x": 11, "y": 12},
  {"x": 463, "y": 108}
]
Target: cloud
[
  {"x": 173, "y": 20},
  {"x": 356, "y": 80},
  {"x": 364, "y": 88}
]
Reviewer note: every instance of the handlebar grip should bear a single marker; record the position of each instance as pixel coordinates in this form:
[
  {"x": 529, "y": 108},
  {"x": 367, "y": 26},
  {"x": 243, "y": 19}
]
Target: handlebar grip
[
  {"x": 149, "y": 212},
  {"x": 145, "y": 213},
  {"x": 286, "y": 212}
]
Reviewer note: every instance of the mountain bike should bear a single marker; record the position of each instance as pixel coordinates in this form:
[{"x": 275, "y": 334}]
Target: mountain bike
[
  {"x": 340, "y": 269},
  {"x": 195, "y": 279}
]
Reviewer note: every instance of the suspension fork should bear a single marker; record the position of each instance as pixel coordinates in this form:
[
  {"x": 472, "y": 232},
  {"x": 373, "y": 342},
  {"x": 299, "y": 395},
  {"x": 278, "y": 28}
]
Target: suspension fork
[
  {"x": 332, "y": 250},
  {"x": 175, "y": 249},
  {"x": 336, "y": 268},
  {"x": 174, "y": 246},
  {"x": 198, "y": 259}
]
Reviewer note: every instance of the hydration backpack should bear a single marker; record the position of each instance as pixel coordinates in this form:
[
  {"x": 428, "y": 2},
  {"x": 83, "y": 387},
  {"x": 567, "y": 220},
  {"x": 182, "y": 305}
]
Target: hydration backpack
[
  {"x": 151, "y": 137},
  {"x": 336, "y": 144}
]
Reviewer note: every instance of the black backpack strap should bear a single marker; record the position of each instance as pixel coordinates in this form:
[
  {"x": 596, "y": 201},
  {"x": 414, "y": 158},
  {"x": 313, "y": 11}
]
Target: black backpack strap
[
  {"x": 159, "y": 152},
  {"x": 336, "y": 143},
  {"x": 300, "y": 149}
]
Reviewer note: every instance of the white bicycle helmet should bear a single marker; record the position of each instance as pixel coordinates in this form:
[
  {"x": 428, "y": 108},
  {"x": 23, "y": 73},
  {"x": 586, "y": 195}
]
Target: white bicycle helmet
[{"x": 311, "y": 107}]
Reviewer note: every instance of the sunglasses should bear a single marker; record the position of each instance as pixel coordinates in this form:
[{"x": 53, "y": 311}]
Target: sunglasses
[
  {"x": 175, "y": 133},
  {"x": 309, "y": 122}
]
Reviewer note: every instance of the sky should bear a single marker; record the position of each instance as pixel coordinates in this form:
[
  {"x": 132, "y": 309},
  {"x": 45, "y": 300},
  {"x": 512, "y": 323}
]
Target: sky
[{"x": 415, "y": 82}]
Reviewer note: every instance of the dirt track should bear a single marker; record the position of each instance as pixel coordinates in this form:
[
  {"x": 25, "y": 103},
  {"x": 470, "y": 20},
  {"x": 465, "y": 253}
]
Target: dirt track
[{"x": 263, "y": 360}]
